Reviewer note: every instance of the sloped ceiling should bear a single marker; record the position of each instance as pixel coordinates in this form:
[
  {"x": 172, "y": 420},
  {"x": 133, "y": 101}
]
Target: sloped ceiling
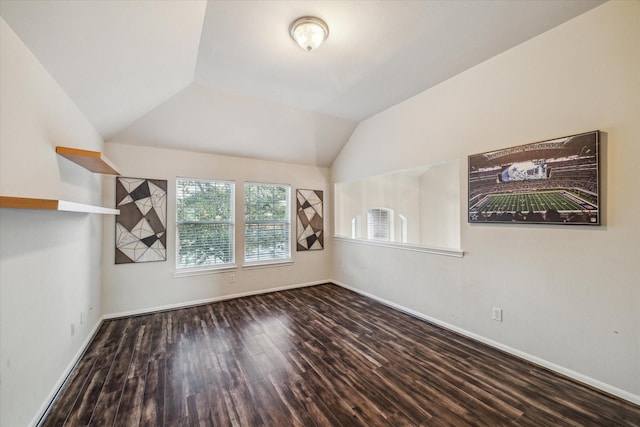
[
  {"x": 225, "y": 76},
  {"x": 117, "y": 60}
]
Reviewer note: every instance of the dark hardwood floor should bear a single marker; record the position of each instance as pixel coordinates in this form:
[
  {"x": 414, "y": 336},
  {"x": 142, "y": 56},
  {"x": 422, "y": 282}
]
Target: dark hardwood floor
[{"x": 317, "y": 356}]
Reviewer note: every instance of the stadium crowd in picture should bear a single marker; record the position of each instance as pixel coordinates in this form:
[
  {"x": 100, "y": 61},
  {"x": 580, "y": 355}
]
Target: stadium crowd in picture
[{"x": 553, "y": 181}]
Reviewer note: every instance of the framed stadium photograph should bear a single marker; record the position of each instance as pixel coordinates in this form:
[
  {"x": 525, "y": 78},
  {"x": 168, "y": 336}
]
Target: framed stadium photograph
[{"x": 547, "y": 182}]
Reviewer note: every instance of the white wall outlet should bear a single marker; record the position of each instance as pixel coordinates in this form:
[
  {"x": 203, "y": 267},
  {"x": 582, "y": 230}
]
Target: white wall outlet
[
  {"x": 232, "y": 278},
  {"x": 73, "y": 329},
  {"x": 496, "y": 314}
]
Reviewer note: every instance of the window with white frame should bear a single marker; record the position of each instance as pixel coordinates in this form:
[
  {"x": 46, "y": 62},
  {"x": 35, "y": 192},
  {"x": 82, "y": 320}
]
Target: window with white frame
[
  {"x": 355, "y": 227},
  {"x": 379, "y": 224},
  {"x": 205, "y": 223},
  {"x": 267, "y": 223},
  {"x": 403, "y": 228}
]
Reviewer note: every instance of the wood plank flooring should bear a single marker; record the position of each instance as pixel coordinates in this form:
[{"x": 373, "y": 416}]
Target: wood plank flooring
[{"x": 317, "y": 356}]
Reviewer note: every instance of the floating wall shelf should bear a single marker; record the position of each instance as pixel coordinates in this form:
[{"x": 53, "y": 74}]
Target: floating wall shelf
[
  {"x": 92, "y": 160},
  {"x": 54, "y": 205}
]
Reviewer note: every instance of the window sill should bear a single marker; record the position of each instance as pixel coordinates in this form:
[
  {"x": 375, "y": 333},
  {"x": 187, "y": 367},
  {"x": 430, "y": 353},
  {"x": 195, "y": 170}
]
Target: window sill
[
  {"x": 267, "y": 264},
  {"x": 415, "y": 248},
  {"x": 205, "y": 270}
]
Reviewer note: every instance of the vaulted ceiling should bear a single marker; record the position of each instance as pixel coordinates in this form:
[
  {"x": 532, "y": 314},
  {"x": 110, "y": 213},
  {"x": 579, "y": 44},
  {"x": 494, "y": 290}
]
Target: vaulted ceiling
[{"x": 225, "y": 77}]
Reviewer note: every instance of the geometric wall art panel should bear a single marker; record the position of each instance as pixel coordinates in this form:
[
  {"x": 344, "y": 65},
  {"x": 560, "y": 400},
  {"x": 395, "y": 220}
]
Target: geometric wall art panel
[
  {"x": 141, "y": 227},
  {"x": 310, "y": 230}
]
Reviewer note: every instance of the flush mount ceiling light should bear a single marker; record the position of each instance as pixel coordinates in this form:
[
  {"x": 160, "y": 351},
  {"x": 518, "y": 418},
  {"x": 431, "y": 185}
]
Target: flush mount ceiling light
[{"x": 309, "y": 32}]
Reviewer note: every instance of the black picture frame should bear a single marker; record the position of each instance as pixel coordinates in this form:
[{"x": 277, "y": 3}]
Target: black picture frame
[{"x": 555, "y": 181}]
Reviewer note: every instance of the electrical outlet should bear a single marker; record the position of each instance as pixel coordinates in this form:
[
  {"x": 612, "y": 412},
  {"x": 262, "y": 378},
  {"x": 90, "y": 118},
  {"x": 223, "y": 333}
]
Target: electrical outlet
[
  {"x": 496, "y": 314},
  {"x": 73, "y": 329},
  {"x": 81, "y": 317},
  {"x": 232, "y": 278}
]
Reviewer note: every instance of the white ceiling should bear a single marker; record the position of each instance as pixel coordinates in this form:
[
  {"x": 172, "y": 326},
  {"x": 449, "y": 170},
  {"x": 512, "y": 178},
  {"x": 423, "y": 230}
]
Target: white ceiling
[{"x": 225, "y": 76}]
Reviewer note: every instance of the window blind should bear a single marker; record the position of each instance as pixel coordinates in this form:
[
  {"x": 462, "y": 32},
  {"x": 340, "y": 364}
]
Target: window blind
[
  {"x": 379, "y": 224},
  {"x": 205, "y": 222},
  {"x": 267, "y": 224}
]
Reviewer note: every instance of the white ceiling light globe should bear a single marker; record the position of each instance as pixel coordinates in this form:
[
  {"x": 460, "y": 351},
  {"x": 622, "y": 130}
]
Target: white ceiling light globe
[{"x": 309, "y": 32}]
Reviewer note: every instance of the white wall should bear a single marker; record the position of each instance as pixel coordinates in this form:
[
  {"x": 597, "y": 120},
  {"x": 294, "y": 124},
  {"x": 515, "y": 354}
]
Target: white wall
[
  {"x": 440, "y": 205},
  {"x": 49, "y": 261},
  {"x": 136, "y": 287},
  {"x": 570, "y": 295}
]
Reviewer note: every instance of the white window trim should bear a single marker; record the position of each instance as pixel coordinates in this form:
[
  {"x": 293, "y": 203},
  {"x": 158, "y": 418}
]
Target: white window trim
[
  {"x": 266, "y": 264},
  {"x": 198, "y": 271}
]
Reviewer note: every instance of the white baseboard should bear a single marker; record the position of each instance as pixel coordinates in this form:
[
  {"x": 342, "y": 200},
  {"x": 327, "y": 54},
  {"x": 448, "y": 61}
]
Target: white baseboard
[
  {"x": 210, "y": 300},
  {"x": 607, "y": 388},
  {"x": 58, "y": 385}
]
